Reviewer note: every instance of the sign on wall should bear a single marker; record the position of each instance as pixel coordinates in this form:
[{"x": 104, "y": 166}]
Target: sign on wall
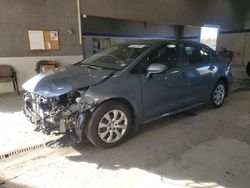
[
  {"x": 44, "y": 39},
  {"x": 36, "y": 39}
]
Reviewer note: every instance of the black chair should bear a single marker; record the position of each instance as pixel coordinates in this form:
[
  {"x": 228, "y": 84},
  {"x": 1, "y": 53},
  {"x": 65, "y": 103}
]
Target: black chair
[{"x": 8, "y": 74}]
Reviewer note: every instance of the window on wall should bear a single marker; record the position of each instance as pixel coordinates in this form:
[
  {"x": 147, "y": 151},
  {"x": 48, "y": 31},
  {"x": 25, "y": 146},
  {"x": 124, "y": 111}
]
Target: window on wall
[
  {"x": 100, "y": 44},
  {"x": 209, "y": 36}
]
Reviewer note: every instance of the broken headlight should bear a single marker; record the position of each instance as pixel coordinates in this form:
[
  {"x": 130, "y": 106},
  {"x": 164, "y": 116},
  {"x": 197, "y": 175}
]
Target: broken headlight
[
  {"x": 89, "y": 100},
  {"x": 72, "y": 95},
  {"x": 86, "y": 102}
]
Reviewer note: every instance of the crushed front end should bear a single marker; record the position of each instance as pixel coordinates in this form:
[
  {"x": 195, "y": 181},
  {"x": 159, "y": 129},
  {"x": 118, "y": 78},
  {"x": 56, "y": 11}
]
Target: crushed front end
[{"x": 65, "y": 113}]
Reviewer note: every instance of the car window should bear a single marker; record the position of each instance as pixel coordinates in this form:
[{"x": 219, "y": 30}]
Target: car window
[
  {"x": 116, "y": 57},
  {"x": 199, "y": 54},
  {"x": 212, "y": 54},
  {"x": 166, "y": 54}
]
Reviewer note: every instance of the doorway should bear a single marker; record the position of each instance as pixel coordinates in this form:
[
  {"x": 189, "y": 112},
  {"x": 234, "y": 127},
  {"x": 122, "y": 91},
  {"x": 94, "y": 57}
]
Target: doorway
[{"x": 209, "y": 36}]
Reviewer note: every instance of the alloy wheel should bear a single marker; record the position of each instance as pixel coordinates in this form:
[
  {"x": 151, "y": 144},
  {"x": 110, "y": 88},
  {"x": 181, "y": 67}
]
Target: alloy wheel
[
  {"x": 219, "y": 94},
  {"x": 112, "y": 126}
]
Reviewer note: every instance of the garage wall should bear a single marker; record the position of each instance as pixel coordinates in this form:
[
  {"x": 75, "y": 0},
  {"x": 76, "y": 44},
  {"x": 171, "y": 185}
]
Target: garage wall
[
  {"x": 235, "y": 42},
  {"x": 192, "y": 33},
  {"x": 124, "y": 30},
  {"x": 17, "y": 16},
  {"x": 88, "y": 43},
  {"x": 228, "y": 14},
  {"x": 25, "y": 67},
  {"x": 115, "y": 27}
]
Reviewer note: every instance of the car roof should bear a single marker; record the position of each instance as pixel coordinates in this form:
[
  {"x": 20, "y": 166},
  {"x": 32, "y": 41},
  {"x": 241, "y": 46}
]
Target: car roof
[
  {"x": 159, "y": 41},
  {"x": 152, "y": 41}
]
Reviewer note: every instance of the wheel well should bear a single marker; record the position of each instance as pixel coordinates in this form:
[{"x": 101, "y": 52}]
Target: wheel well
[
  {"x": 226, "y": 83},
  {"x": 125, "y": 102}
]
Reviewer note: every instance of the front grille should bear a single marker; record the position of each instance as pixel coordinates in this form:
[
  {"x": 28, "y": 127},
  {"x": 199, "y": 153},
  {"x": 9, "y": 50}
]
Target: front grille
[{"x": 35, "y": 105}]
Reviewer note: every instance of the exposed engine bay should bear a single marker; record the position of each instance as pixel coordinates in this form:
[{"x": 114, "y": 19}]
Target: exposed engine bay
[
  {"x": 67, "y": 112},
  {"x": 54, "y": 102}
]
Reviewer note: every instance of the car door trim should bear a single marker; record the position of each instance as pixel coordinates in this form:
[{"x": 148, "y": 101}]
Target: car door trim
[{"x": 173, "y": 112}]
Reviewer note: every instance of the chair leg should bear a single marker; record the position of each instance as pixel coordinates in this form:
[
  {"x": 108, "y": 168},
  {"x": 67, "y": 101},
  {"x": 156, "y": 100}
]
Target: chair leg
[
  {"x": 14, "y": 85},
  {"x": 17, "y": 88}
]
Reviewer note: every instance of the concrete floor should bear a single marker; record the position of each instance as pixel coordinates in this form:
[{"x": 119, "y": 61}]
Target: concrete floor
[
  {"x": 16, "y": 131},
  {"x": 209, "y": 148},
  {"x": 205, "y": 148}
]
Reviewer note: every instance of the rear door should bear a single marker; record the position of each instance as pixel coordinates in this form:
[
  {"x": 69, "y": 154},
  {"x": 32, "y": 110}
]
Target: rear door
[{"x": 201, "y": 70}]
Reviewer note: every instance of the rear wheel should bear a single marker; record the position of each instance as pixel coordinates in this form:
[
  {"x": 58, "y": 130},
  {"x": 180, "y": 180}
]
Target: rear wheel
[
  {"x": 218, "y": 94},
  {"x": 109, "y": 125}
]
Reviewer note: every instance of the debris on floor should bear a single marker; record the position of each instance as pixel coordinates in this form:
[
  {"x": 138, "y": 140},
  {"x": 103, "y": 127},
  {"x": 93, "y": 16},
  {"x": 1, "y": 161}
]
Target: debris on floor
[
  {"x": 229, "y": 172},
  {"x": 64, "y": 141},
  {"x": 67, "y": 140}
]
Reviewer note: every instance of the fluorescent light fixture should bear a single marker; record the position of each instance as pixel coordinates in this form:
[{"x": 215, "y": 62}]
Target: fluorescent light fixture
[{"x": 171, "y": 45}]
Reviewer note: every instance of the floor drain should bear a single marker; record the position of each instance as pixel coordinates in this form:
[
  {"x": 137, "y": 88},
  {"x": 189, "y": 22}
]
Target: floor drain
[{"x": 20, "y": 151}]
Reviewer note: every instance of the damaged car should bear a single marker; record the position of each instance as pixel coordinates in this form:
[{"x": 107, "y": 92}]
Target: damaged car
[{"x": 106, "y": 96}]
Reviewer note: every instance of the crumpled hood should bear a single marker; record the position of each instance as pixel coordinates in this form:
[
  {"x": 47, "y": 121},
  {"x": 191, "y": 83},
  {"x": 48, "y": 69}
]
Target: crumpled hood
[{"x": 64, "y": 79}]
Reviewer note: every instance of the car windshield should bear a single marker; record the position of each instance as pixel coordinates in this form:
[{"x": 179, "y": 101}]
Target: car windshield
[{"x": 116, "y": 57}]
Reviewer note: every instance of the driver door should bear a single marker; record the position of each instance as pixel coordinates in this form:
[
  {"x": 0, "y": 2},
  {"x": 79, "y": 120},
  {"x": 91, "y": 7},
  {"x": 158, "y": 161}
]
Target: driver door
[{"x": 168, "y": 91}]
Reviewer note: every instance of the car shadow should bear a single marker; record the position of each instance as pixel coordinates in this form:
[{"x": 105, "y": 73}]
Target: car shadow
[{"x": 154, "y": 146}]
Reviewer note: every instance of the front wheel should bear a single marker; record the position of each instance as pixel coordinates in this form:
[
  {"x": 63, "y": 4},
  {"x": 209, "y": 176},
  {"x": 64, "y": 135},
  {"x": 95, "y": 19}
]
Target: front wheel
[
  {"x": 218, "y": 95},
  {"x": 109, "y": 124}
]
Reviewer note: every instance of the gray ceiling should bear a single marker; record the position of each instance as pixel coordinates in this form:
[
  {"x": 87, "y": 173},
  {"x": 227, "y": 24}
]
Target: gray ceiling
[{"x": 229, "y": 14}]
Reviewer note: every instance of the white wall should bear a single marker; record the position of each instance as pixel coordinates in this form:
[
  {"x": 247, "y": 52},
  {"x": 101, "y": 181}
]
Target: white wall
[
  {"x": 25, "y": 67},
  {"x": 234, "y": 42}
]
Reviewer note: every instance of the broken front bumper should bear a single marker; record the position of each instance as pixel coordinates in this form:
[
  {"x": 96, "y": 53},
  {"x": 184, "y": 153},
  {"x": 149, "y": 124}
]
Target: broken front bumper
[
  {"x": 72, "y": 118},
  {"x": 60, "y": 126}
]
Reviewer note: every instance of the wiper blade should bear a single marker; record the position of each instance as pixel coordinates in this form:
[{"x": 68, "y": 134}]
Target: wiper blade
[
  {"x": 96, "y": 67},
  {"x": 92, "y": 66}
]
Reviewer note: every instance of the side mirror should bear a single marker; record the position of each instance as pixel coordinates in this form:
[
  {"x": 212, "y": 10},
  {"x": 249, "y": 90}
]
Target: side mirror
[{"x": 155, "y": 68}]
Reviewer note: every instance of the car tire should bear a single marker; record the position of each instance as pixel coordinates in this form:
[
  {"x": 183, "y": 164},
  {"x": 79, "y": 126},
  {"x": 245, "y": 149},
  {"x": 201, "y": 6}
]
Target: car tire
[
  {"x": 109, "y": 125},
  {"x": 218, "y": 94}
]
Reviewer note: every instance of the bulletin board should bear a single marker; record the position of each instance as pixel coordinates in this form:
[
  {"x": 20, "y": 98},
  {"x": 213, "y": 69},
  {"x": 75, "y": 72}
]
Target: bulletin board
[{"x": 44, "y": 39}]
